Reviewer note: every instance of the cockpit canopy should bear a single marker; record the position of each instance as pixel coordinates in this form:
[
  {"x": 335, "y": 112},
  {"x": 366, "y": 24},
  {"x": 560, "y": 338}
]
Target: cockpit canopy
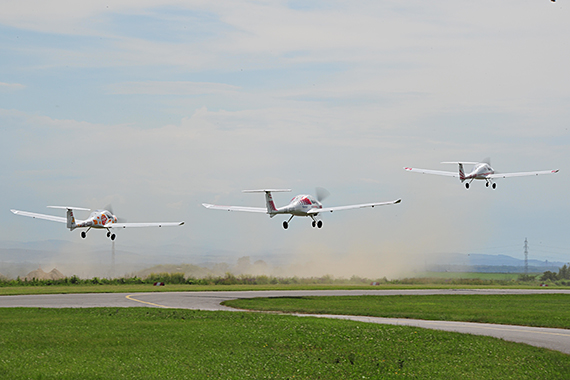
[{"x": 305, "y": 200}]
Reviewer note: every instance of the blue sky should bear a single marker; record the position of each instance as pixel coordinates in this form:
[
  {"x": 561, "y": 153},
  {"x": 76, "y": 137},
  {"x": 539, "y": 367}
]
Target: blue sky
[{"x": 157, "y": 107}]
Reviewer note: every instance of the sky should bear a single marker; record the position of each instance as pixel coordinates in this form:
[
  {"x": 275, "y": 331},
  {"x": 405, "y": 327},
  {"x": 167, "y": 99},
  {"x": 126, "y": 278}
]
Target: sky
[{"x": 158, "y": 106}]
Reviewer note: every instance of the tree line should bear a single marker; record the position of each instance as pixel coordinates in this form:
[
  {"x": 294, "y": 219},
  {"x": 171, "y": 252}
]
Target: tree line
[{"x": 563, "y": 274}]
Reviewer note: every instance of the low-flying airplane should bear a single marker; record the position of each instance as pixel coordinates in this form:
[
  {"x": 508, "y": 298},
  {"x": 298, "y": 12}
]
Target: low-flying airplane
[
  {"x": 99, "y": 219},
  {"x": 481, "y": 170},
  {"x": 301, "y": 205}
]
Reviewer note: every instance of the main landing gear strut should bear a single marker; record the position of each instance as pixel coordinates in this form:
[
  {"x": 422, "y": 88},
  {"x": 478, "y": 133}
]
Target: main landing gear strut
[
  {"x": 316, "y": 223},
  {"x": 493, "y": 184},
  {"x": 286, "y": 222},
  {"x": 110, "y": 235},
  {"x": 84, "y": 233}
]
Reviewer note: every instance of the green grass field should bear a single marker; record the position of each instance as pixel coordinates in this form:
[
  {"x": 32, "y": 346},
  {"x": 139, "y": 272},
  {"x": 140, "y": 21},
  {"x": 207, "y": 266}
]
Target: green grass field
[
  {"x": 147, "y": 343},
  {"x": 478, "y": 275},
  {"x": 544, "y": 310},
  {"x": 137, "y": 288}
]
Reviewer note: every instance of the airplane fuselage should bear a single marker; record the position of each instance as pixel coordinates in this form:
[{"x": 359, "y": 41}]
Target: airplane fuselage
[
  {"x": 97, "y": 219},
  {"x": 299, "y": 206},
  {"x": 480, "y": 171}
]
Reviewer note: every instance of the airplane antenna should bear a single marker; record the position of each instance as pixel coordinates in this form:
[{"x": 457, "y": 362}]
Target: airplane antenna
[{"x": 525, "y": 257}]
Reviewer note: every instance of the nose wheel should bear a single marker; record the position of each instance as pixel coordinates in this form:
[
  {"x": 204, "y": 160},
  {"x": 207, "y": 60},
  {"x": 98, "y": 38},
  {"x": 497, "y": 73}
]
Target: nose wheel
[{"x": 83, "y": 234}]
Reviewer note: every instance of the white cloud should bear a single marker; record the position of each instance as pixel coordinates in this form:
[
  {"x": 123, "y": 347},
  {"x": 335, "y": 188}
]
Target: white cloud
[
  {"x": 11, "y": 86},
  {"x": 172, "y": 88}
]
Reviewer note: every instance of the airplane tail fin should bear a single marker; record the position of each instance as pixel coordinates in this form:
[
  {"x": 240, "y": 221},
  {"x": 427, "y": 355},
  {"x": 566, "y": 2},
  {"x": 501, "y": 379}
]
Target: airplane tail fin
[
  {"x": 271, "y": 209},
  {"x": 461, "y": 173},
  {"x": 71, "y": 220},
  {"x": 269, "y": 203}
]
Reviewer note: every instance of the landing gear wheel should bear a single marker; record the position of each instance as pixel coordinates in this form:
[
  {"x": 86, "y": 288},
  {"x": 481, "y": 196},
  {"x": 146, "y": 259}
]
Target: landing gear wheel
[
  {"x": 494, "y": 186},
  {"x": 113, "y": 237},
  {"x": 487, "y": 184},
  {"x": 467, "y": 186},
  {"x": 108, "y": 233},
  {"x": 83, "y": 234},
  {"x": 320, "y": 223},
  {"x": 314, "y": 224},
  {"x": 285, "y": 225}
]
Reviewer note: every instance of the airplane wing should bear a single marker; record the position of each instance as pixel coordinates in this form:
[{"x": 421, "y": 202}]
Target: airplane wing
[
  {"x": 129, "y": 225},
  {"x": 236, "y": 208},
  {"x": 40, "y": 216},
  {"x": 521, "y": 174},
  {"x": 340, "y": 208},
  {"x": 436, "y": 172}
]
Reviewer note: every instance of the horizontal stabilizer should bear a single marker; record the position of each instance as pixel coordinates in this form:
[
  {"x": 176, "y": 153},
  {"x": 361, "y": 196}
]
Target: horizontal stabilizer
[
  {"x": 70, "y": 208},
  {"x": 267, "y": 191},
  {"x": 461, "y": 162}
]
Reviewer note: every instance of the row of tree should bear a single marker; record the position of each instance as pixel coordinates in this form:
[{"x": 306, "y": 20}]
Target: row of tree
[{"x": 563, "y": 274}]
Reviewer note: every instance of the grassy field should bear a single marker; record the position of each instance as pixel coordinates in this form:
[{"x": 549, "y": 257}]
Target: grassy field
[
  {"x": 479, "y": 275},
  {"x": 147, "y": 343},
  {"x": 65, "y": 289},
  {"x": 544, "y": 310}
]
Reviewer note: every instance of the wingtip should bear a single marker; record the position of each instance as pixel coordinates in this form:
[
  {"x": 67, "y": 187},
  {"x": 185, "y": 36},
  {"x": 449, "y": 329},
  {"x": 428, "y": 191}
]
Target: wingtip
[
  {"x": 181, "y": 223},
  {"x": 398, "y": 201}
]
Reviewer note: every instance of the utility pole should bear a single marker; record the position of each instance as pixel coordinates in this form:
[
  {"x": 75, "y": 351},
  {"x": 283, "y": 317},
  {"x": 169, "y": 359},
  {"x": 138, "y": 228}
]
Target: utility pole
[{"x": 525, "y": 257}]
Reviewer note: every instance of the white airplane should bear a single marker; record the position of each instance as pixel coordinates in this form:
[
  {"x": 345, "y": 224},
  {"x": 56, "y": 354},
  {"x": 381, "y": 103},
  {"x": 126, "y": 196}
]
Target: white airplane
[
  {"x": 301, "y": 205},
  {"x": 100, "y": 219},
  {"x": 481, "y": 170}
]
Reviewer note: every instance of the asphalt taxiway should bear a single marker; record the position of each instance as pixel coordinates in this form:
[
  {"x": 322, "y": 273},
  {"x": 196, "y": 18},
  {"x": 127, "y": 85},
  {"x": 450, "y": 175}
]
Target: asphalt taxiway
[{"x": 555, "y": 339}]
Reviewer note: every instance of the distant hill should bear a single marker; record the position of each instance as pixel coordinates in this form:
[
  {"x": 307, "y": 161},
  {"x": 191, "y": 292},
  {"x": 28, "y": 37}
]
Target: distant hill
[
  {"x": 476, "y": 262},
  {"x": 95, "y": 258}
]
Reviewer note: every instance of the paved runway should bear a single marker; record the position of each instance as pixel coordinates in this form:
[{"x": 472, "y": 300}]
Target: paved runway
[{"x": 555, "y": 339}]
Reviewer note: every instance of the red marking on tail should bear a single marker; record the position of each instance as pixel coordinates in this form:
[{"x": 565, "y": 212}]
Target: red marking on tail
[
  {"x": 461, "y": 173},
  {"x": 270, "y": 203}
]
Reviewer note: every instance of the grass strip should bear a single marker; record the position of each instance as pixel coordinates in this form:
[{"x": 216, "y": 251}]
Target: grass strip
[
  {"x": 136, "y": 288},
  {"x": 540, "y": 310},
  {"x": 147, "y": 343}
]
